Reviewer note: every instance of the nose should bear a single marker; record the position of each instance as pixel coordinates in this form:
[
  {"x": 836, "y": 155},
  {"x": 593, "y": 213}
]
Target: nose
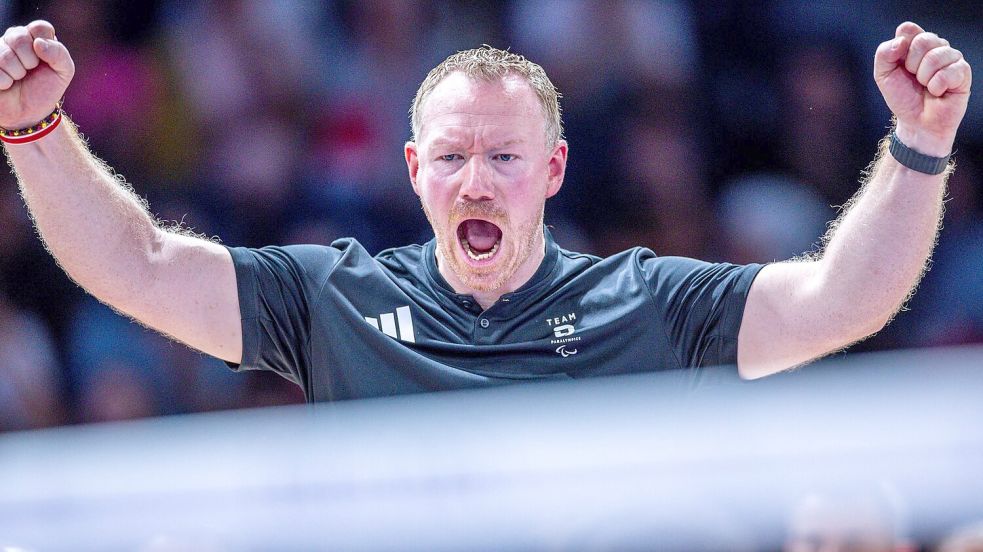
[{"x": 477, "y": 181}]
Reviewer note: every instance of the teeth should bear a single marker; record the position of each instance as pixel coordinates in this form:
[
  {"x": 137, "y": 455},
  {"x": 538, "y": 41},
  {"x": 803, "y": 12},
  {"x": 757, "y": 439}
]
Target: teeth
[{"x": 479, "y": 256}]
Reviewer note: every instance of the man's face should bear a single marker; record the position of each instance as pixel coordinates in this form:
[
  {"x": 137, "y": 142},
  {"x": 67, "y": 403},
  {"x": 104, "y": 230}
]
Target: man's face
[{"x": 483, "y": 172}]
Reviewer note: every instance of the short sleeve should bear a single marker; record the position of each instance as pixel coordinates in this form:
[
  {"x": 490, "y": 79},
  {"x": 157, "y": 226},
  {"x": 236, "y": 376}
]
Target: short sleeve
[
  {"x": 701, "y": 305},
  {"x": 276, "y": 288}
]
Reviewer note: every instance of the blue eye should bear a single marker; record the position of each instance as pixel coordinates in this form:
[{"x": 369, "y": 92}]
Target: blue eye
[
  {"x": 506, "y": 156},
  {"x": 450, "y": 157}
]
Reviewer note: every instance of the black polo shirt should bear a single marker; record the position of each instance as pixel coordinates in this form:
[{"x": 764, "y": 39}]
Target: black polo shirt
[{"x": 344, "y": 325}]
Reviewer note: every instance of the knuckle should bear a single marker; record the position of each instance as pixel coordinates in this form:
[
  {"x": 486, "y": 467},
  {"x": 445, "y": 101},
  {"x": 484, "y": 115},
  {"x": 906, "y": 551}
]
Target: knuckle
[
  {"x": 16, "y": 35},
  {"x": 20, "y": 41},
  {"x": 42, "y": 23},
  {"x": 923, "y": 41},
  {"x": 935, "y": 56}
]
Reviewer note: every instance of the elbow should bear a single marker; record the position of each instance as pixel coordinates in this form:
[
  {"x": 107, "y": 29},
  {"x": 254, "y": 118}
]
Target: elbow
[
  {"x": 119, "y": 275},
  {"x": 872, "y": 322},
  {"x": 863, "y": 328},
  {"x": 751, "y": 372},
  {"x": 855, "y": 316},
  {"x": 878, "y": 323},
  {"x": 817, "y": 343}
]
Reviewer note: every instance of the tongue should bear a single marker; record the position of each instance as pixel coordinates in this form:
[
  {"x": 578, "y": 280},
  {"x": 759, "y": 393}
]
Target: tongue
[{"x": 481, "y": 235}]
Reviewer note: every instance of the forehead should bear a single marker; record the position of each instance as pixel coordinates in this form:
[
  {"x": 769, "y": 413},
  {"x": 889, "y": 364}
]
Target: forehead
[{"x": 462, "y": 105}]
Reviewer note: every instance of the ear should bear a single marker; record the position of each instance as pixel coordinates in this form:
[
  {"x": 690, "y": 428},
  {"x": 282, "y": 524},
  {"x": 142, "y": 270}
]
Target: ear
[
  {"x": 557, "y": 167},
  {"x": 412, "y": 163}
]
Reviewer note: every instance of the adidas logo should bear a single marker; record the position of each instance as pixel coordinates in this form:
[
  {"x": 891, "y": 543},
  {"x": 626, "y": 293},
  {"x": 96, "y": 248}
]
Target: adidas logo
[{"x": 388, "y": 322}]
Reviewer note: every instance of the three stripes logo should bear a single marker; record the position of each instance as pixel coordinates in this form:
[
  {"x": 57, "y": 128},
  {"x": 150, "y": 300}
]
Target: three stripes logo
[{"x": 388, "y": 322}]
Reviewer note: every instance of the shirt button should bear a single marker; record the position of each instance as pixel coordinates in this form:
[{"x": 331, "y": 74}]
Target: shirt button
[{"x": 484, "y": 322}]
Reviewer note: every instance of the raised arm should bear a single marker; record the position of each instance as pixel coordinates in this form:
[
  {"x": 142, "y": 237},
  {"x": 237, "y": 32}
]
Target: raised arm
[
  {"x": 877, "y": 250},
  {"x": 99, "y": 231}
]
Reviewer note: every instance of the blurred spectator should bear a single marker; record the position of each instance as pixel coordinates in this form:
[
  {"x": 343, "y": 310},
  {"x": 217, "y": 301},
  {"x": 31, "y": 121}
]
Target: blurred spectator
[
  {"x": 613, "y": 62},
  {"x": 766, "y": 218},
  {"x": 663, "y": 202},
  {"x": 355, "y": 172},
  {"x": 860, "y": 518},
  {"x": 820, "y": 132},
  {"x": 115, "y": 87},
  {"x": 968, "y": 538},
  {"x": 254, "y": 56},
  {"x": 122, "y": 370},
  {"x": 30, "y": 390}
]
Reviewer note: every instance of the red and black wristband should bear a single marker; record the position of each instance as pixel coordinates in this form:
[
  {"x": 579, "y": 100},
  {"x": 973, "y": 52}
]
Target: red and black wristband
[{"x": 32, "y": 133}]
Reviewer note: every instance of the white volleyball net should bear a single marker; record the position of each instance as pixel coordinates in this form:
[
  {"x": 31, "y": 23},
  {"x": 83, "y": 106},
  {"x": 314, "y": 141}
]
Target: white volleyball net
[{"x": 885, "y": 446}]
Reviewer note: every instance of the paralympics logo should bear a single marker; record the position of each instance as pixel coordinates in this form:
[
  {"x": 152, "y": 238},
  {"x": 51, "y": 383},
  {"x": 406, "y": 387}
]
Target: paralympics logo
[
  {"x": 563, "y": 352},
  {"x": 563, "y": 330}
]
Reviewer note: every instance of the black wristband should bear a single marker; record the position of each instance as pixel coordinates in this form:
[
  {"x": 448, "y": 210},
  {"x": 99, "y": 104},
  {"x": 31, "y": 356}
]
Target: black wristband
[{"x": 917, "y": 161}]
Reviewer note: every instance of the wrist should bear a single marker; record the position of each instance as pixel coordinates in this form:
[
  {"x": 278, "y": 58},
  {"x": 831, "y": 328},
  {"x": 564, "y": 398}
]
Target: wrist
[
  {"x": 34, "y": 131},
  {"x": 29, "y": 120},
  {"x": 923, "y": 142},
  {"x": 915, "y": 160}
]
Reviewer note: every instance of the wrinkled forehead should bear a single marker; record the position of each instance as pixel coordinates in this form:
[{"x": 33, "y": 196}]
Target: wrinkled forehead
[{"x": 463, "y": 105}]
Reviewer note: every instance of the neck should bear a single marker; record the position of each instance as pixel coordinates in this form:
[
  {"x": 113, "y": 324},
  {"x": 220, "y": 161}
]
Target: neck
[{"x": 487, "y": 298}]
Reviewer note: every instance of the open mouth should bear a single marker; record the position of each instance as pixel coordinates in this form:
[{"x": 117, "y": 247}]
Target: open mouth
[{"x": 480, "y": 239}]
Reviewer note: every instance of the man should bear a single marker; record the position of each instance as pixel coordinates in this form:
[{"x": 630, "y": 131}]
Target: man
[{"x": 492, "y": 299}]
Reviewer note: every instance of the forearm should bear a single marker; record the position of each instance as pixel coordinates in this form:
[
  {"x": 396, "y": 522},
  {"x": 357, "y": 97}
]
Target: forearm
[
  {"x": 873, "y": 257},
  {"x": 878, "y": 249},
  {"x": 89, "y": 219},
  {"x": 99, "y": 231}
]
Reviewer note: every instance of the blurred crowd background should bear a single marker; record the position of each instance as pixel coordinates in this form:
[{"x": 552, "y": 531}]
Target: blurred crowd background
[{"x": 723, "y": 131}]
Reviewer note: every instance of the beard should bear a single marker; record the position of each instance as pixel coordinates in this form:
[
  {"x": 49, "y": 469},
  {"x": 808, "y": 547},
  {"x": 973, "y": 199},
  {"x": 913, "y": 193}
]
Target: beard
[{"x": 517, "y": 244}]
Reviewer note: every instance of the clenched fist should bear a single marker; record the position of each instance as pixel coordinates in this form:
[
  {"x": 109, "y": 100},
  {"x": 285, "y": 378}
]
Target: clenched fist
[
  {"x": 925, "y": 83},
  {"x": 35, "y": 70}
]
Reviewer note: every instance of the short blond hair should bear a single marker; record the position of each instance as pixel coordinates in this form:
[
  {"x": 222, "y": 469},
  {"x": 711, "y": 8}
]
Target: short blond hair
[{"x": 491, "y": 64}]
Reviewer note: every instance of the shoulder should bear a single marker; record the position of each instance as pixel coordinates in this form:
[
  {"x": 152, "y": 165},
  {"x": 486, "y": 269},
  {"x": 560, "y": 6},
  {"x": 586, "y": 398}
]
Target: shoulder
[
  {"x": 307, "y": 261},
  {"x": 684, "y": 277},
  {"x": 403, "y": 261},
  {"x": 406, "y": 256},
  {"x": 672, "y": 273},
  {"x": 575, "y": 259},
  {"x": 653, "y": 265}
]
